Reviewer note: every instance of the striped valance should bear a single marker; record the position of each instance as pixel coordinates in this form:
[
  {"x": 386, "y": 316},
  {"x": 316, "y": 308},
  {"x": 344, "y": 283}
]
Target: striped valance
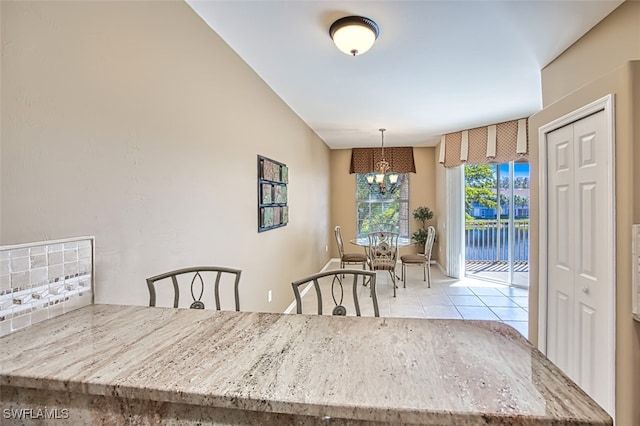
[
  {"x": 364, "y": 160},
  {"x": 498, "y": 143}
]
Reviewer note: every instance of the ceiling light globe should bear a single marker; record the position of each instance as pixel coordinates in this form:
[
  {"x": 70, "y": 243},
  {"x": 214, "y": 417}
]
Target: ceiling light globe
[
  {"x": 354, "y": 40},
  {"x": 354, "y": 35}
]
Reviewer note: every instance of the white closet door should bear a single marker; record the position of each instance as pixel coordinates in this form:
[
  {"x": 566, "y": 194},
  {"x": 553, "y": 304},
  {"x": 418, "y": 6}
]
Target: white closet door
[
  {"x": 594, "y": 305},
  {"x": 560, "y": 263},
  {"x": 579, "y": 247}
]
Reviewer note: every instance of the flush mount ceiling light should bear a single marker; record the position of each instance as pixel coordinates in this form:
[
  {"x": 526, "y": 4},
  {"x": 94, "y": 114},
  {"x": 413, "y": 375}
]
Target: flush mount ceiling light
[{"x": 354, "y": 35}]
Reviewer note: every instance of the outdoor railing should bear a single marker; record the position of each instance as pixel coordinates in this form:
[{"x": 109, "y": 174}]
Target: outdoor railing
[{"x": 487, "y": 240}]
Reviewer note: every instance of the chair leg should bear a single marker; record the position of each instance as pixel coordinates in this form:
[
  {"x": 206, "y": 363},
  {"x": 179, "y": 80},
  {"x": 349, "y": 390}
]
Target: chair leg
[
  {"x": 370, "y": 288},
  {"x": 404, "y": 281},
  {"x": 424, "y": 272},
  {"x": 393, "y": 279},
  {"x": 364, "y": 279},
  {"x": 429, "y": 272}
]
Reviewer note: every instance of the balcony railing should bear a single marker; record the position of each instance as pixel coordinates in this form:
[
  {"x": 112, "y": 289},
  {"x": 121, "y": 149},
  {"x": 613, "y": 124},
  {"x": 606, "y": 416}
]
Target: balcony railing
[{"x": 488, "y": 241}]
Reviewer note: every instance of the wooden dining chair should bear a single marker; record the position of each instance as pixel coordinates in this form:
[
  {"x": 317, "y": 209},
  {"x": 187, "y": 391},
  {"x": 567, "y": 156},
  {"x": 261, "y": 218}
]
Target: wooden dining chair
[
  {"x": 340, "y": 278},
  {"x": 383, "y": 253},
  {"x": 195, "y": 277},
  {"x": 423, "y": 260}
]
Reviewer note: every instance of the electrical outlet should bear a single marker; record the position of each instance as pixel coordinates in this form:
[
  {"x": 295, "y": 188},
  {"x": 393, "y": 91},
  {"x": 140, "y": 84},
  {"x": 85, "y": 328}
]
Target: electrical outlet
[
  {"x": 326, "y": 248},
  {"x": 270, "y": 296}
]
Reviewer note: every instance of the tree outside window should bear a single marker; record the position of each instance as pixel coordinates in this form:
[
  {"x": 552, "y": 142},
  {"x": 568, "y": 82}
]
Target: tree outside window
[
  {"x": 382, "y": 212},
  {"x": 481, "y": 200}
]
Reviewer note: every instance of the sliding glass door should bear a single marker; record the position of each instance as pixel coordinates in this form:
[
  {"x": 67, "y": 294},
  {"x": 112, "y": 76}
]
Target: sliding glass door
[{"x": 497, "y": 222}]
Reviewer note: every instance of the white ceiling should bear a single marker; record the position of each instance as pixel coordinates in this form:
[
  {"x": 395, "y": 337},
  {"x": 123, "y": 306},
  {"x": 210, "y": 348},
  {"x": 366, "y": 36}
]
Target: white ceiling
[{"x": 437, "y": 66}]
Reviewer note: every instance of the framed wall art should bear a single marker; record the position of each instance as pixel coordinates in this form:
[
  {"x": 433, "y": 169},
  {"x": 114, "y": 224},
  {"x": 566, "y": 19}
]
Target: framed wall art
[{"x": 273, "y": 177}]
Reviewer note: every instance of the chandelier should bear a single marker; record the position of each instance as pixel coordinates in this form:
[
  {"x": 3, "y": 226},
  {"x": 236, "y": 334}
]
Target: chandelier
[{"x": 377, "y": 179}]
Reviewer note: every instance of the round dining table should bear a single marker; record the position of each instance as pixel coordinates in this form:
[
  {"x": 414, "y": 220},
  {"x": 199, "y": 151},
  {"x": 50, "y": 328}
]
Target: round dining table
[{"x": 364, "y": 241}]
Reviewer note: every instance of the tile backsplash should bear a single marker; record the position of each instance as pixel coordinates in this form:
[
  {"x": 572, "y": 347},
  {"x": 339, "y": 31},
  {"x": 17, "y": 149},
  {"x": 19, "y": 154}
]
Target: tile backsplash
[{"x": 43, "y": 280}]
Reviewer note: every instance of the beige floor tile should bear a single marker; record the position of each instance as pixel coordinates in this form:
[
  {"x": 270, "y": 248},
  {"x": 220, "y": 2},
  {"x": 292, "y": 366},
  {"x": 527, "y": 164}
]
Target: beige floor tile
[
  {"x": 515, "y": 291},
  {"x": 407, "y": 312},
  {"x": 511, "y": 314},
  {"x": 431, "y": 291},
  {"x": 486, "y": 291},
  {"x": 498, "y": 301},
  {"x": 406, "y": 302},
  {"x": 461, "y": 291},
  {"x": 465, "y": 300},
  {"x": 476, "y": 313},
  {"x": 436, "y": 300},
  {"x": 442, "y": 312},
  {"x": 523, "y": 302}
]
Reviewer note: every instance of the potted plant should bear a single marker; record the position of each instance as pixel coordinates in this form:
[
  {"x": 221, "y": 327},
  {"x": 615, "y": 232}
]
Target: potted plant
[{"x": 421, "y": 214}]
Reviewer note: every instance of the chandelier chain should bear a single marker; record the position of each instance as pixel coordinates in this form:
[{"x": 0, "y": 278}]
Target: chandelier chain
[{"x": 383, "y": 164}]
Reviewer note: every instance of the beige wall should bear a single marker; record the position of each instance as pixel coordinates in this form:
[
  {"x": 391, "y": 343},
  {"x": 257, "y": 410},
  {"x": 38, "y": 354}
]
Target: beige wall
[
  {"x": 588, "y": 71},
  {"x": 135, "y": 123},
  {"x": 611, "y": 43},
  {"x": 343, "y": 194}
]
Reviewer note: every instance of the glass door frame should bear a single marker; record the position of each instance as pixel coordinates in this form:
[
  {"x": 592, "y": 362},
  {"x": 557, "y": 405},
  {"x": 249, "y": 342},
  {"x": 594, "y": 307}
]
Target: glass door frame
[{"x": 509, "y": 193}]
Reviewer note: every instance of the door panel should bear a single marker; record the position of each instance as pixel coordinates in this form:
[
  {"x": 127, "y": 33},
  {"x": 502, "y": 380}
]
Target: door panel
[
  {"x": 593, "y": 291},
  {"x": 560, "y": 248},
  {"x": 563, "y": 198},
  {"x": 586, "y": 148},
  {"x": 586, "y": 249},
  {"x": 585, "y": 354},
  {"x": 561, "y": 343},
  {"x": 580, "y": 302}
]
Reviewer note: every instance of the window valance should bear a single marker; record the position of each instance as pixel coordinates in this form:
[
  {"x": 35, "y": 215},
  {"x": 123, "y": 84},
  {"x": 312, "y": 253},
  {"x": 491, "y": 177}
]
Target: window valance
[
  {"x": 498, "y": 143},
  {"x": 364, "y": 160}
]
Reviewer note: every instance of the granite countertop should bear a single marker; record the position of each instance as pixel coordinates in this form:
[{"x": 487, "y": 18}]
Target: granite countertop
[{"x": 372, "y": 369}]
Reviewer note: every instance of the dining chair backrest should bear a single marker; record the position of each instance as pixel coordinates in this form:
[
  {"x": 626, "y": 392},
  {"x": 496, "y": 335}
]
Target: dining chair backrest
[
  {"x": 383, "y": 248},
  {"x": 194, "y": 278},
  {"x": 428, "y": 245},
  {"x": 334, "y": 282},
  {"x": 338, "y": 232}
]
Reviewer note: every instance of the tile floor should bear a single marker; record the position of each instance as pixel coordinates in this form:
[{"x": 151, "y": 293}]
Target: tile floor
[{"x": 447, "y": 298}]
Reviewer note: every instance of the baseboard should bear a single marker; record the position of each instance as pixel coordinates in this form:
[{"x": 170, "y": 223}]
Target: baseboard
[{"x": 333, "y": 259}]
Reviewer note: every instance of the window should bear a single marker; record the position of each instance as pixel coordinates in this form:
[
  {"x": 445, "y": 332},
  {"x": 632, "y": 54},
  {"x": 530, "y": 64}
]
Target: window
[{"x": 382, "y": 212}]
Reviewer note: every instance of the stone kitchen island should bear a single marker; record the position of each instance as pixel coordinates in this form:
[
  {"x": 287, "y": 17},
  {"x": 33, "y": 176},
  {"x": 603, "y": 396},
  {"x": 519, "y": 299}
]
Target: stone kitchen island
[{"x": 107, "y": 364}]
